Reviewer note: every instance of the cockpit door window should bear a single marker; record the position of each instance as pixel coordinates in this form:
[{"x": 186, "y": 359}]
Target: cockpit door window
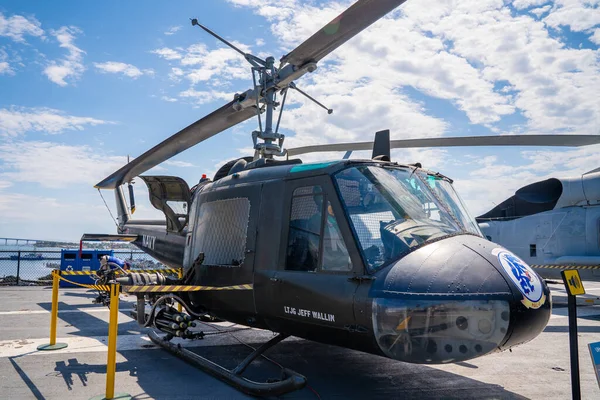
[
  {"x": 315, "y": 241},
  {"x": 304, "y": 235},
  {"x": 335, "y": 254}
]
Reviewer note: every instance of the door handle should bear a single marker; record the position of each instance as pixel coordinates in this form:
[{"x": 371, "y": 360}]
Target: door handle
[{"x": 273, "y": 279}]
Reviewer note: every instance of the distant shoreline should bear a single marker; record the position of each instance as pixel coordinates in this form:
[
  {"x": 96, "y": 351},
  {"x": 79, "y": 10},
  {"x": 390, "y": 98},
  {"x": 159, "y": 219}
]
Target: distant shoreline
[{"x": 70, "y": 245}]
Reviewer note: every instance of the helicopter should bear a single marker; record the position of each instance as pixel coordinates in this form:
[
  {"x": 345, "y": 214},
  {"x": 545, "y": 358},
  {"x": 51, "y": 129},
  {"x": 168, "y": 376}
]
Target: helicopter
[
  {"x": 552, "y": 224},
  {"x": 373, "y": 255}
]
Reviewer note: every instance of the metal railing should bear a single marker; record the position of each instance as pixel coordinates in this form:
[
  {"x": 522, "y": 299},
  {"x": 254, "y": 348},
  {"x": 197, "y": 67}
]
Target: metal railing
[{"x": 32, "y": 267}]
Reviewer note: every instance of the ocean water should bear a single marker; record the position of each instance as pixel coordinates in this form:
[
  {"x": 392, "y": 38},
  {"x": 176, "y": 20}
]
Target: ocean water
[{"x": 35, "y": 269}]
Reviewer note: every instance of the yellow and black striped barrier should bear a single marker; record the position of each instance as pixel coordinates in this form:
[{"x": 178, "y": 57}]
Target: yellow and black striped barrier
[
  {"x": 181, "y": 288},
  {"x": 139, "y": 271},
  {"x": 104, "y": 288},
  {"x": 566, "y": 266},
  {"x": 151, "y": 288}
]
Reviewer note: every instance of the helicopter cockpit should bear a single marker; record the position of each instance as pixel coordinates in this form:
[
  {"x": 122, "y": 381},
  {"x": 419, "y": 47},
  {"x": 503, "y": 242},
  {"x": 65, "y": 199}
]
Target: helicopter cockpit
[{"x": 393, "y": 210}]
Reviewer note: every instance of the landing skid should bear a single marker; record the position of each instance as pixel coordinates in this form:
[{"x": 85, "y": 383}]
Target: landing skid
[{"x": 293, "y": 380}]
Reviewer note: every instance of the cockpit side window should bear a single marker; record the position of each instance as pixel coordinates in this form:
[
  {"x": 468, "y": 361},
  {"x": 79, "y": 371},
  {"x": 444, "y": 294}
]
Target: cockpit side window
[
  {"x": 335, "y": 254},
  {"x": 315, "y": 241},
  {"x": 304, "y": 236}
]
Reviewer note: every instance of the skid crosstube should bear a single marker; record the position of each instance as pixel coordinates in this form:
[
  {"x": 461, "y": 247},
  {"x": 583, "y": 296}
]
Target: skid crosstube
[{"x": 293, "y": 380}]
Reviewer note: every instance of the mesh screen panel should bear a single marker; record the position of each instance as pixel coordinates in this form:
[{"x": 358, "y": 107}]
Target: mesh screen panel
[
  {"x": 222, "y": 228},
  {"x": 305, "y": 208},
  {"x": 367, "y": 227},
  {"x": 305, "y": 229},
  {"x": 350, "y": 192}
]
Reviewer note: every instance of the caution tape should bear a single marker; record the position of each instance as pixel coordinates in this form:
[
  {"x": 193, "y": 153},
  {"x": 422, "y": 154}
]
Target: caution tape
[
  {"x": 104, "y": 288},
  {"x": 147, "y": 271},
  {"x": 151, "y": 271},
  {"x": 567, "y": 266},
  {"x": 181, "y": 288},
  {"x": 152, "y": 288}
]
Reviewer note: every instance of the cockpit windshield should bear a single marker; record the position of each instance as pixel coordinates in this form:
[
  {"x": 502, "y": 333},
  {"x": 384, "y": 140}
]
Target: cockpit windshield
[{"x": 394, "y": 209}]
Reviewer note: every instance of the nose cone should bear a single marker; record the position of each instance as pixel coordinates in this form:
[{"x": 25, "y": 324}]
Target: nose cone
[
  {"x": 456, "y": 299},
  {"x": 532, "y": 305}
]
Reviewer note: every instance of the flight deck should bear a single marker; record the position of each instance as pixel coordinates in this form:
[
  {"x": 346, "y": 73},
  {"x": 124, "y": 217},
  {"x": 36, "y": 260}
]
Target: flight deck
[{"x": 536, "y": 370}]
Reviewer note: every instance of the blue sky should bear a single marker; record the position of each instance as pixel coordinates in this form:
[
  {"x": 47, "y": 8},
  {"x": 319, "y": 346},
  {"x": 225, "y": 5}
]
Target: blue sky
[{"x": 84, "y": 84}]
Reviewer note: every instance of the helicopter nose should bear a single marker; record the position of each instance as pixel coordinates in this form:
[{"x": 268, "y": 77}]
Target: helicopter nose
[{"x": 457, "y": 299}]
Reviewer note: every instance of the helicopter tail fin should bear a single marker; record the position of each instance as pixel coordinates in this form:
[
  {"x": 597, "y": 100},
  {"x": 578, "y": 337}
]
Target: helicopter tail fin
[{"x": 123, "y": 214}]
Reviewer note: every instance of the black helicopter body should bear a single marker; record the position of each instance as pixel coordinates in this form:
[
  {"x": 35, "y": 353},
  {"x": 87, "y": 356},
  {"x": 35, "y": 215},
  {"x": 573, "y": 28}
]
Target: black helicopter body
[
  {"x": 367, "y": 254},
  {"x": 453, "y": 299}
]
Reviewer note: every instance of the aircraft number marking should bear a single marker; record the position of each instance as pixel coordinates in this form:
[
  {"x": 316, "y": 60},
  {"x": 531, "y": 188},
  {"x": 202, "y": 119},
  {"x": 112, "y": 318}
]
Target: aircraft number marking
[{"x": 309, "y": 314}]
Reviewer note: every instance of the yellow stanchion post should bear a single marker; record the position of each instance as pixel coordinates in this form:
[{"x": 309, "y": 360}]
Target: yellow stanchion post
[
  {"x": 179, "y": 275},
  {"x": 53, "y": 317},
  {"x": 111, "y": 363}
]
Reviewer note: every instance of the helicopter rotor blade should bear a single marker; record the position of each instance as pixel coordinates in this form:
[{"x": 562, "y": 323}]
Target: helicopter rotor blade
[
  {"x": 206, "y": 127},
  {"x": 504, "y": 140},
  {"x": 341, "y": 29}
]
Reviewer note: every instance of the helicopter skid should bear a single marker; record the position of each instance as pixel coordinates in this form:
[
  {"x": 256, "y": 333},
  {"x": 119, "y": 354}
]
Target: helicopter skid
[{"x": 293, "y": 381}]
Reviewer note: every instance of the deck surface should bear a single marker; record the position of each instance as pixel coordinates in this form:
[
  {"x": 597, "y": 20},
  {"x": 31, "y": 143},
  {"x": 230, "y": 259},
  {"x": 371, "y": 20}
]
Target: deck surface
[{"x": 536, "y": 370}]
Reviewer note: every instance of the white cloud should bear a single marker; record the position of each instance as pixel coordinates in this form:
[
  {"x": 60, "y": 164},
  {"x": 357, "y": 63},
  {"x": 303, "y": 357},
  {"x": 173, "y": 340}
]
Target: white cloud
[
  {"x": 167, "y": 53},
  {"x": 464, "y": 52},
  {"x": 199, "y": 64},
  {"x": 5, "y": 68},
  {"x": 538, "y": 12},
  {"x": 493, "y": 180},
  {"x": 72, "y": 64},
  {"x": 169, "y": 99},
  {"x": 260, "y": 42},
  {"x": 490, "y": 62},
  {"x": 55, "y": 216},
  {"x": 596, "y": 37},
  {"x": 355, "y": 104},
  {"x": 204, "y": 64},
  {"x": 180, "y": 164},
  {"x": 5, "y": 184},
  {"x": 523, "y": 4},
  {"x": 114, "y": 67},
  {"x": 578, "y": 15},
  {"x": 50, "y": 213},
  {"x": 17, "y": 26},
  {"x": 17, "y": 120},
  {"x": 176, "y": 74},
  {"x": 202, "y": 97},
  {"x": 553, "y": 85},
  {"x": 172, "y": 30},
  {"x": 55, "y": 165}
]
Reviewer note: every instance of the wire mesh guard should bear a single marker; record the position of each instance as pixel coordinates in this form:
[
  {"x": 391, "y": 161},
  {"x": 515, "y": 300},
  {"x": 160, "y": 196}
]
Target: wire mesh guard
[
  {"x": 222, "y": 228},
  {"x": 34, "y": 267}
]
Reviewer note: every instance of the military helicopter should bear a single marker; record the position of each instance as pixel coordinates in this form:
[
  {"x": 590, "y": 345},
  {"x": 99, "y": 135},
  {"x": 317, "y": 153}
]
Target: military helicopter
[
  {"x": 553, "y": 224},
  {"x": 373, "y": 255}
]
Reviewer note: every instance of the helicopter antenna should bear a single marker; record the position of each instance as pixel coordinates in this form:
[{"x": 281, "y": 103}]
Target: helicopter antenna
[
  {"x": 293, "y": 86},
  {"x": 267, "y": 80}
]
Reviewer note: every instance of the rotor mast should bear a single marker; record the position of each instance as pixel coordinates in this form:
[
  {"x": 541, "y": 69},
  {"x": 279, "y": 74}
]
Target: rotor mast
[
  {"x": 268, "y": 90},
  {"x": 268, "y": 80}
]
